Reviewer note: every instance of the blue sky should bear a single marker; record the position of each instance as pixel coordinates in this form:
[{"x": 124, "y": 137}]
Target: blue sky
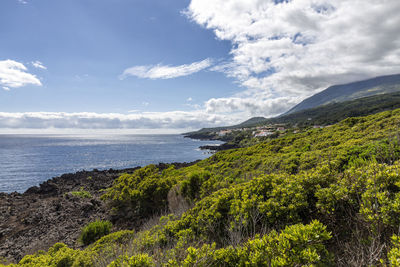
[
  {"x": 86, "y": 45},
  {"x": 182, "y": 65}
]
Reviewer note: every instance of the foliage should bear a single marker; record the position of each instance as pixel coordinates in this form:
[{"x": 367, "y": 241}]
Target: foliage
[
  {"x": 140, "y": 260},
  {"x": 394, "y": 254},
  {"x": 58, "y": 255},
  {"x": 95, "y": 230},
  {"x": 190, "y": 188},
  {"x": 81, "y": 193},
  {"x": 141, "y": 193},
  {"x": 296, "y": 245},
  {"x": 107, "y": 241}
]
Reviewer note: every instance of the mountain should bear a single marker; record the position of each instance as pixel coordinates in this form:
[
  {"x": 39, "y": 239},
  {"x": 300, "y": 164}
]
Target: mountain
[
  {"x": 350, "y": 91},
  {"x": 335, "y": 112},
  {"x": 321, "y": 115},
  {"x": 330, "y": 106}
]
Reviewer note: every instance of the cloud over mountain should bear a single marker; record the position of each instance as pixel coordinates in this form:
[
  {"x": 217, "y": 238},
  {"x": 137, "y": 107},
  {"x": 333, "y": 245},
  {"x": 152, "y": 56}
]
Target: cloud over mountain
[{"x": 293, "y": 49}]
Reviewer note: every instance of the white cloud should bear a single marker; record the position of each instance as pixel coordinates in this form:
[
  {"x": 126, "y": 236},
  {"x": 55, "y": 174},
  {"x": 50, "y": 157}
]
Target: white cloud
[
  {"x": 189, "y": 99},
  {"x": 166, "y": 72},
  {"x": 247, "y": 107},
  {"x": 294, "y": 49},
  {"x": 14, "y": 74},
  {"x": 39, "y": 65},
  {"x": 87, "y": 120},
  {"x": 6, "y": 88}
]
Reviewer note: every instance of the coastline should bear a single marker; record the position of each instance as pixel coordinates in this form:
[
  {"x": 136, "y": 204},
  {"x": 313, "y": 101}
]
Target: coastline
[
  {"x": 215, "y": 148},
  {"x": 50, "y": 213},
  {"x": 228, "y": 144},
  {"x": 29, "y": 160}
]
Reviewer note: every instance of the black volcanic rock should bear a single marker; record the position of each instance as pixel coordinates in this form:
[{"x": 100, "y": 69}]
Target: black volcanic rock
[
  {"x": 49, "y": 213},
  {"x": 221, "y": 147}
]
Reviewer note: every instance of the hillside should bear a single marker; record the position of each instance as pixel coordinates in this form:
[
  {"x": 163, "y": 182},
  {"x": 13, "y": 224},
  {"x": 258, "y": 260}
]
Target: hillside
[
  {"x": 335, "y": 112},
  {"x": 350, "y": 91},
  {"x": 322, "y": 115},
  {"x": 324, "y": 197}
]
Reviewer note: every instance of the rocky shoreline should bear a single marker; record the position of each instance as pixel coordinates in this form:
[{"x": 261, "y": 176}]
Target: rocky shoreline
[
  {"x": 212, "y": 148},
  {"x": 52, "y": 212},
  {"x": 221, "y": 147}
]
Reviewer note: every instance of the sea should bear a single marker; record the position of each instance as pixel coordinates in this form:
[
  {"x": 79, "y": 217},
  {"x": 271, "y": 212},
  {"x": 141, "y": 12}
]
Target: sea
[{"x": 28, "y": 160}]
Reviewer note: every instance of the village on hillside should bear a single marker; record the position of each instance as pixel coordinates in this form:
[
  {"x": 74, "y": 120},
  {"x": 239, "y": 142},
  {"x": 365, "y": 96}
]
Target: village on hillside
[{"x": 263, "y": 131}]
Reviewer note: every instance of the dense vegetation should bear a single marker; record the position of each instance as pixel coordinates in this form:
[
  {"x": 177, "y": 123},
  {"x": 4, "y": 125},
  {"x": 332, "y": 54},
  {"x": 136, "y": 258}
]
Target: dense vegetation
[
  {"x": 94, "y": 231},
  {"x": 318, "y": 198}
]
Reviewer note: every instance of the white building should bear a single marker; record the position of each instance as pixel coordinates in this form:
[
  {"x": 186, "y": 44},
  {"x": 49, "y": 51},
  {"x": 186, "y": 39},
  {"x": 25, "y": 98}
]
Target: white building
[{"x": 263, "y": 134}]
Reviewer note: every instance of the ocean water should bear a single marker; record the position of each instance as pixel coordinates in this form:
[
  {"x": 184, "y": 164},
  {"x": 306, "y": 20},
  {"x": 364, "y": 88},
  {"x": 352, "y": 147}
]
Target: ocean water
[{"x": 28, "y": 160}]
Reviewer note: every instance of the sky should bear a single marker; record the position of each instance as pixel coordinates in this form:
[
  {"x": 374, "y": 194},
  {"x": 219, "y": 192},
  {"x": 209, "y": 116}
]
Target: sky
[{"x": 169, "y": 66}]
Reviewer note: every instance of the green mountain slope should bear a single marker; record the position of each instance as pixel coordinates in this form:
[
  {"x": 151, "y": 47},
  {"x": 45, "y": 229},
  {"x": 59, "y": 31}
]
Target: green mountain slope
[
  {"x": 324, "y": 197},
  {"x": 335, "y": 112},
  {"x": 250, "y": 122},
  {"x": 350, "y": 91}
]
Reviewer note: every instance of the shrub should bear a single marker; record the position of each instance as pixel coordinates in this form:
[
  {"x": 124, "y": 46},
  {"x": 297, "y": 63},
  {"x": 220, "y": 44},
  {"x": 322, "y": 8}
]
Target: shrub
[
  {"x": 107, "y": 241},
  {"x": 140, "y": 194},
  {"x": 81, "y": 193},
  {"x": 296, "y": 245},
  {"x": 191, "y": 187},
  {"x": 95, "y": 230},
  {"x": 140, "y": 260},
  {"x": 394, "y": 253},
  {"x": 58, "y": 255}
]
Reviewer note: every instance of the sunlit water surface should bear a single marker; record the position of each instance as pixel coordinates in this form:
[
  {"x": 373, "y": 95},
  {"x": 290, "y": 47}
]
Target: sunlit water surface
[{"x": 28, "y": 160}]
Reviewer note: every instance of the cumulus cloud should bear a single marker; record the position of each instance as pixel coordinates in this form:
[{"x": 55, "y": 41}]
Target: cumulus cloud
[
  {"x": 14, "y": 74},
  {"x": 166, "y": 71},
  {"x": 86, "y": 120},
  {"x": 294, "y": 49},
  {"x": 39, "y": 65}
]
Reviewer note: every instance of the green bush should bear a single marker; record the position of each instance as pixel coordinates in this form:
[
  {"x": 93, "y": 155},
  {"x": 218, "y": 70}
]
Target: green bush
[
  {"x": 140, "y": 194},
  {"x": 81, "y": 193},
  {"x": 95, "y": 230},
  {"x": 58, "y": 255},
  {"x": 140, "y": 260},
  {"x": 296, "y": 245},
  {"x": 191, "y": 187},
  {"x": 110, "y": 240},
  {"x": 394, "y": 254}
]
